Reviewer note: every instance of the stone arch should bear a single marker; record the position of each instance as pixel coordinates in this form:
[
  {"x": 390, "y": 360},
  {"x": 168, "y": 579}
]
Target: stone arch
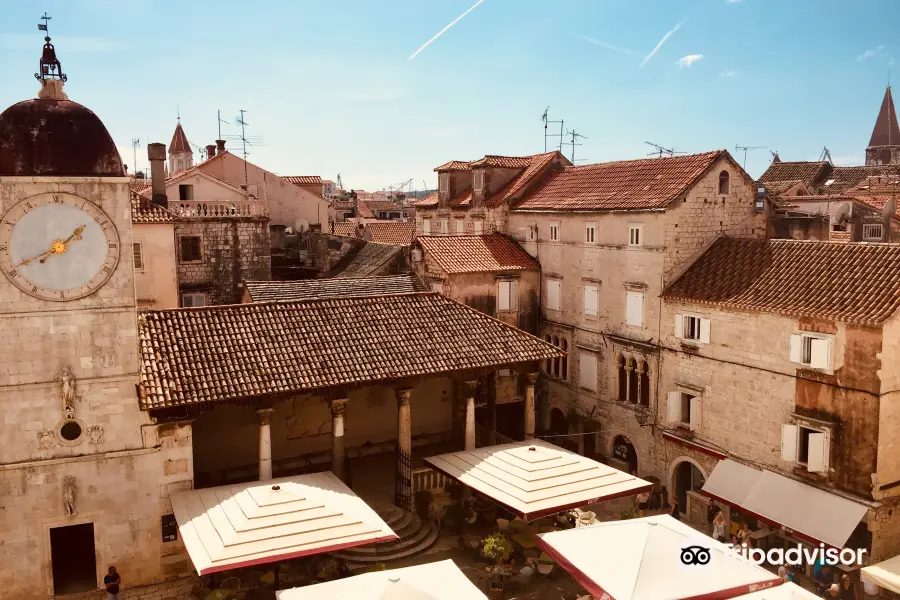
[
  {"x": 630, "y": 457},
  {"x": 672, "y": 482}
]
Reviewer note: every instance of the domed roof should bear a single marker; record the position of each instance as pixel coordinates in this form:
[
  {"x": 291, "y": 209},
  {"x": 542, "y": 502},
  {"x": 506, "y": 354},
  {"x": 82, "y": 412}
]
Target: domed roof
[{"x": 46, "y": 138}]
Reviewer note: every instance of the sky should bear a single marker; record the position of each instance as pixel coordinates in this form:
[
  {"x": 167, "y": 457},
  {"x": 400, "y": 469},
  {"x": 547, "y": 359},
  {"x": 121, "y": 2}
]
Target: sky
[{"x": 353, "y": 87}]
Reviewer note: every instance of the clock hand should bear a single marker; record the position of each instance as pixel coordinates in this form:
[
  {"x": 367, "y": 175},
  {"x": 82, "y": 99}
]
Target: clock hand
[
  {"x": 57, "y": 247},
  {"x": 34, "y": 258}
]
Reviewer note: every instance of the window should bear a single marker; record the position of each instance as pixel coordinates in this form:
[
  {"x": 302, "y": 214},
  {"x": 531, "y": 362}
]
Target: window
[
  {"x": 553, "y": 293},
  {"x": 426, "y": 226},
  {"x": 185, "y": 191},
  {"x": 549, "y": 366},
  {"x": 806, "y": 446},
  {"x": 644, "y": 371},
  {"x": 872, "y": 232},
  {"x": 723, "y": 182},
  {"x": 587, "y": 371},
  {"x": 190, "y": 248},
  {"x": 632, "y": 381},
  {"x": 479, "y": 180},
  {"x": 507, "y": 294},
  {"x": 531, "y": 231},
  {"x": 137, "y": 256},
  {"x": 634, "y": 309},
  {"x": 590, "y": 233},
  {"x": 623, "y": 378},
  {"x": 812, "y": 350},
  {"x": 684, "y": 409},
  {"x": 554, "y": 232},
  {"x": 437, "y": 286},
  {"x": 591, "y": 299},
  {"x": 556, "y": 361},
  {"x": 564, "y": 369},
  {"x": 460, "y": 226},
  {"x": 635, "y": 235},
  {"x": 444, "y": 182},
  {"x": 690, "y": 327},
  {"x": 445, "y": 227},
  {"x": 478, "y": 226},
  {"x": 193, "y": 299}
]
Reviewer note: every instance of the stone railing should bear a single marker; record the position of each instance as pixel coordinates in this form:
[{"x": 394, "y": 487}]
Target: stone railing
[
  {"x": 424, "y": 478},
  {"x": 483, "y": 437},
  {"x": 199, "y": 209}
]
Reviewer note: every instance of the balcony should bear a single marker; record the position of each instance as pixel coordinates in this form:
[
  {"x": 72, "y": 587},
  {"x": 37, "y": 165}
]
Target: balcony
[{"x": 199, "y": 209}]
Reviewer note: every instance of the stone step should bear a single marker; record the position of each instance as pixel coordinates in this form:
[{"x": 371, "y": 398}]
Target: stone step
[
  {"x": 357, "y": 564},
  {"x": 373, "y": 552}
]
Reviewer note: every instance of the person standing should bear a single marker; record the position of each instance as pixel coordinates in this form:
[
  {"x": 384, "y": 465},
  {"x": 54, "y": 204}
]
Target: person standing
[
  {"x": 719, "y": 527},
  {"x": 744, "y": 535},
  {"x": 833, "y": 592},
  {"x": 112, "y": 582},
  {"x": 847, "y": 591},
  {"x": 711, "y": 511}
]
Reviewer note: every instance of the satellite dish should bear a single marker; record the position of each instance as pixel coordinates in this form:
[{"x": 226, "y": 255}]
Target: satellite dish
[
  {"x": 889, "y": 209},
  {"x": 843, "y": 213},
  {"x": 301, "y": 225}
]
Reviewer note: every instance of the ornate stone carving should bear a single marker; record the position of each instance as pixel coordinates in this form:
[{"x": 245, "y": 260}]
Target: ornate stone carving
[
  {"x": 69, "y": 496},
  {"x": 95, "y": 434},
  {"x": 265, "y": 415},
  {"x": 67, "y": 391},
  {"x": 46, "y": 439},
  {"x": 531, "y": 378},
  {"x": 403, "y": 396},
  {"x": 338, "y": 406}
]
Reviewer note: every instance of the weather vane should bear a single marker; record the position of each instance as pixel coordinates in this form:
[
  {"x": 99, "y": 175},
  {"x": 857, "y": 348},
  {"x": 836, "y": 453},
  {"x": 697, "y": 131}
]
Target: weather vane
[{"x": 50, "y": 67}]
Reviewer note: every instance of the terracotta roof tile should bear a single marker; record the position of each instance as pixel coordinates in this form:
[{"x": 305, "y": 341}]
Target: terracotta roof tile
[
  {"x": 644, "y": 184},
  {"x": 886, "y": 131},
  {"x": 505, "y": 162},
  {"x": 311, "y": 289},
  {"x": 344, "y": 229},
  {"x": 537, "y": 165},
  {"x": 369, "y": 260},
  {"x": 384, "y": 206},
  {"x": 477, "y": 253},
  {"x": 179, "y": 141},
  {"x": 429, "y": 201},
  {"x": 455, "y": 165},
  {"x": 840, "y": 236},
  {"x": 303, "y": 179},
  {"x": 392, "y": 232},
  {"x": 209, "y": 355},
  {"x": 144, "y": 211},
  {"x": 854, "y": 283},
  {"x": 806, "y": 171}
]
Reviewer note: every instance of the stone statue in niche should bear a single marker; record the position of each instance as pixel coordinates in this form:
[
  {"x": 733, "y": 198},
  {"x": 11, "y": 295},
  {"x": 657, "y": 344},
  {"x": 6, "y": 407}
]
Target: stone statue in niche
[
  {"x": 67, "y": 385},
  {"x": 95, "y": 434},
  {"x": 69, "y": 496},
  {"x": 46, "y": 439}
]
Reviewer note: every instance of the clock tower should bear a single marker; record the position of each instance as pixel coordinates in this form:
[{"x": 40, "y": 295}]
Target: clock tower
[{"x": 77, "y": 457}]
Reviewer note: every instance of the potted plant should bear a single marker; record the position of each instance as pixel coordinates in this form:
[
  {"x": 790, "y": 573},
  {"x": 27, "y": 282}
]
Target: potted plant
[
  {"x": 498, "y": 548},
  {"x": 632, "y": 513}
]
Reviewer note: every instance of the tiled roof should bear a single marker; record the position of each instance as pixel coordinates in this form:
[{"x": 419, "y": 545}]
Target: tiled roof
[
  {"x": 303, "y": 179},
  {"x": 505, "y": 162},
  {"x": 384, "y": 206},
  {"x": 144, "y": 211},
  {"x": 840, "y": 236},
  {"x": 464, "y": 199},
  {"x": 345, "y": 229},
  {"x": 886, "y": 131},
  {"x": 779, "y": 187},
  {"x": 878, "y": 202},
  {"x": 455, "y": 165},
  {"x": 645, "y": 184},
  {"x": 477, "y": 253},
  {"x": 370, "y": 258},
  {"x": 364, "y": 211},
  {"x": 429, "y": 201},
  {"x": 311, "y": 289},
  {"x": 537, "y": 164},
  {"x": 875, "y": 185},
  {"x": 855, "y": 283},
  {"x": 805, "y": 171},
  {"x": 845, "y": 178},
  {"x": 392, "y": 232},
  {"x": 223, "y": 354},
  {"x": 179, "y": 141}
]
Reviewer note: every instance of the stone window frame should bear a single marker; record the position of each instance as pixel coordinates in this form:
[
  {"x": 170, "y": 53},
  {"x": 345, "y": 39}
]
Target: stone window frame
[
  {"x": 639, "y": 241},
  {"x": 444, "y": 182},
  {"x": 182, "y": 295},
  {"x": 633, "y": 369},
  {"x": 460, "y": 227},
  {"x": 553, "y": 231},
  {"x": 137, "y": 255},
  {"x": 63, "y": 441},
  {"x": 724, "y": 182},
  {"x": 513, "y": 300},
  {"x": 426, "y": 226},
  {"x": 557, "y": 368},
  {"x": 590, "y": 233},
  {"x": 585, "y": 284},
  {"x": 815, "y": 426},
  {"x": 478, "y": 226},
  {"x": 183, "y": 236}
]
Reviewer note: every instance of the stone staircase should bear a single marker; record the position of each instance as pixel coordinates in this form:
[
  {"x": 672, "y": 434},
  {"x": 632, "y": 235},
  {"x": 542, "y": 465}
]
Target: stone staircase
[{"x": 415, "y": 537}]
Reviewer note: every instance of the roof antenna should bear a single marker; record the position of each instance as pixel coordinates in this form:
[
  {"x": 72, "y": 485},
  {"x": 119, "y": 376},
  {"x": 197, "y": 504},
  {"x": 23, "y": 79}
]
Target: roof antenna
[{"x": 545, "y": 118}]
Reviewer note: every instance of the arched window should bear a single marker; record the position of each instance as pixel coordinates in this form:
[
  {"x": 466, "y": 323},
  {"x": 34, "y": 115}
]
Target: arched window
[
  {"x": 723, "y": 182},
  {"x": 556, "y": 360},
  {"x": 645, "y": 384},
  {"x": 565, "y": 361},
  {"x": 549, "y": 366},
  {"x": 632, "y": 381},
  {"x": 623, "y": 378}
]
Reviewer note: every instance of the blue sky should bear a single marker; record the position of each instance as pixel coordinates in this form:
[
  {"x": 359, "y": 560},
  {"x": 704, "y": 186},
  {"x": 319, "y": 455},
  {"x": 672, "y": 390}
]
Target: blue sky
[{"x": 330, "y": 86}]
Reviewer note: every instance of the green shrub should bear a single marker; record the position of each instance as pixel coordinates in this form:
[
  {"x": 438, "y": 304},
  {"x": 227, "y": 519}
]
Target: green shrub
[{"x": 496, "y": 547}]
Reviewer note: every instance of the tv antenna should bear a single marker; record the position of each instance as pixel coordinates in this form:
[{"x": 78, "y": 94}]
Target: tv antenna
[
  {"x": 221, "y": 120},
  {"x": 575, "y": 137},
  {"x": 744, "y": 149},
  {"x": 546, "y": 120},
  {"x": 826, "y": 154},
  {"x": 135, "y": 142},
  {"x": 245, "y": 139},
  {"x": 662, "y": 150}
]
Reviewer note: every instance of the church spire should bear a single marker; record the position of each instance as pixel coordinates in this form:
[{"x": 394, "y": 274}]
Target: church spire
[
  {"x": 884, "y": 146},
  {"x": 51, "y": 74},
  {"x": 181, "y": 157}
]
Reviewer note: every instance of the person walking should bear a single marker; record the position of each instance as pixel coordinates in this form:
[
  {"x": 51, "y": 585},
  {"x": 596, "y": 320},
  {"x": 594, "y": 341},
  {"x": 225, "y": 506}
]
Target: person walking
[
  {"x": 719, "y": 527},
  {"x": 712, "y": 510},
  {"x": 112, "y": 582}
]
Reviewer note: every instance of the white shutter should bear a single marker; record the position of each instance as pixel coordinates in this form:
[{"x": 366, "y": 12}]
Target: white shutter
[
  {"x": 426, "y": 226},
  {"x": 513, "y": 295},
  {"x": 460, "y": 226},
  {"x": 587, "y": 371},
  {"x": 634, "y": 308},
  {"x": 437, "y": 286},
  {"x": 138, "y": 256},
  {"x": 819, "y": 353},
  {"x": 478, "y": 225},
  {"x": 590, "y": 300},
  {"x": 679, "y": 326},
  {"x": 673, "y": 410},
  {"x": 796, "y": 345},
  {"x": 553, "y": 294},
  {"x": 503, "y": 295},
  {"x": 817, "y": 461},
  {"x": 695, "y": 413},
  {"x": 789, "y": 437},
  {"x": 704, "y": 331}
]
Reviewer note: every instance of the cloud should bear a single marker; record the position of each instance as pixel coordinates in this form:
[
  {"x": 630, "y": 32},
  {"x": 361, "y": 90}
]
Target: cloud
[
  {"x": 728, "y": 74},
  {"x": 664, "y": 39},
  {"x": 63, "y": 43},
  {"x": 871, "y": 52},
  {"x": 597, "y": 42},
  {"x": 444, "y": 30},
  {"x": 687, "y": 61}
]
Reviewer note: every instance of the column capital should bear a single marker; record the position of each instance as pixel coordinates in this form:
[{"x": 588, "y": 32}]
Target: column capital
[
  {"x": 265, "y": 415},
  {"x": 403, "y": 396},
  {"x": 531, "y": 378},
  {"x": 337, "y": 406},
  {"x": 469, "y": 387}
]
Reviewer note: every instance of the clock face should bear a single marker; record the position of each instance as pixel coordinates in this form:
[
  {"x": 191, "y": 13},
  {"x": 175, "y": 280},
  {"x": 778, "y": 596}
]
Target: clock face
[{"x": 58, "y": 246}]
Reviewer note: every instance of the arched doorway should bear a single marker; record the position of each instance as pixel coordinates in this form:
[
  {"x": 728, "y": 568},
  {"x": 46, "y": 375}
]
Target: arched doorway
[
  {"x": 624, "y": 450},
  {"x": 686, "y": 476}
]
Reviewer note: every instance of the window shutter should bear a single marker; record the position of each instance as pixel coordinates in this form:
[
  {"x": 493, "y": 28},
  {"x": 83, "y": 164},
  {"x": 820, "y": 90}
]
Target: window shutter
[
  {"x": 513, "y": 295},
  {"x": 789, "y": 436},
  {"x": 138, "y": 256},
  {"x": 553, "y": 294},
  {"x": 590, "y": 300},
  {"x": 478, "y": 225},
  {"x": 704, "y": 331},
  {"x": 679, "y": 326},
  {"x": 819, "y": 353},
  {"x": 796, "y": 344},
  {"x": 695, "y": 413},
  {"x": 818, "y": 452},
  {"x": 503, "y": 295},
  {"x": 460, "y": 226},
  {"x": 587, "y": 371},
  {"x": 634, "y": 308},
  {"x": 426, "y": 226},
  {"x": 673, "y": 410},
  {"x": 437, "y": 286}
]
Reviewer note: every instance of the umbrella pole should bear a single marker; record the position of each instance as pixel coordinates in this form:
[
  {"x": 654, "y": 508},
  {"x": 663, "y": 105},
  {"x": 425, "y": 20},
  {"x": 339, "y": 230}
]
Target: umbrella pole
[{"x": 276, "y": 582}]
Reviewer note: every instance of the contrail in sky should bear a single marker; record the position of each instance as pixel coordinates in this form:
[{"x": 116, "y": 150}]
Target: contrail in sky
[
  {"x": 442, "y": 31},
  {"x": 661, "y": 42},
  {"x": 597, "y": 42}
]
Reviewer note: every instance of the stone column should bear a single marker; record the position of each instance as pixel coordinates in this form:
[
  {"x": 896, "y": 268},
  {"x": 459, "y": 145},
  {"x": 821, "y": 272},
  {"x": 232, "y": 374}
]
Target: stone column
[
  {"x": 530, "y": 381},
  {"x": 404, "y": 445},
  {"x": 469, "y": 388},
  {"x": 265, "y": 443},
  {"x": 338, "y": 455},
  {"x": 628, "y": 369}
]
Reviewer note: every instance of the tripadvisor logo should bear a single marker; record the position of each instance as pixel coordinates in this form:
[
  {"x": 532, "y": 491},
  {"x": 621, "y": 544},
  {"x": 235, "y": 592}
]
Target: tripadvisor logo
[{"x": 799, "y": 555}]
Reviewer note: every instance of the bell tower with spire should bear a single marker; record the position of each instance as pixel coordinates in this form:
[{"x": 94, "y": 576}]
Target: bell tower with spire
[
  {"x": 181, "y": 157},
  {"x": 884, "y": 146}
]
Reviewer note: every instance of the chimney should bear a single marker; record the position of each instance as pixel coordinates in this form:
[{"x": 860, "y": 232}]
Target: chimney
[
  {"x": 210, "y": 151},
  {"x": 157, "y": 155},
  {"x": 220, "y": 146}
]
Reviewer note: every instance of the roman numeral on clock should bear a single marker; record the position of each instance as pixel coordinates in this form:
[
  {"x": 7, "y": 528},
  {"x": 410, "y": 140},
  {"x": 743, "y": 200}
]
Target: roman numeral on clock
[{"x": 12, "y": 274}]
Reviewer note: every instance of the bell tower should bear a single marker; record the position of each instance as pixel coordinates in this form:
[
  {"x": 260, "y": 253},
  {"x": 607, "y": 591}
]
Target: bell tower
[
  {"x": 181, "y": 157},
  {"x": 884, "y": 146}
]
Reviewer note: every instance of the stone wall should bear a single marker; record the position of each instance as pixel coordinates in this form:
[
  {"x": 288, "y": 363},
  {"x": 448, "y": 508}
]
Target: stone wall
[
  {"x": 233, "y": 250},
  {"x": 327, "y": 250}
]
